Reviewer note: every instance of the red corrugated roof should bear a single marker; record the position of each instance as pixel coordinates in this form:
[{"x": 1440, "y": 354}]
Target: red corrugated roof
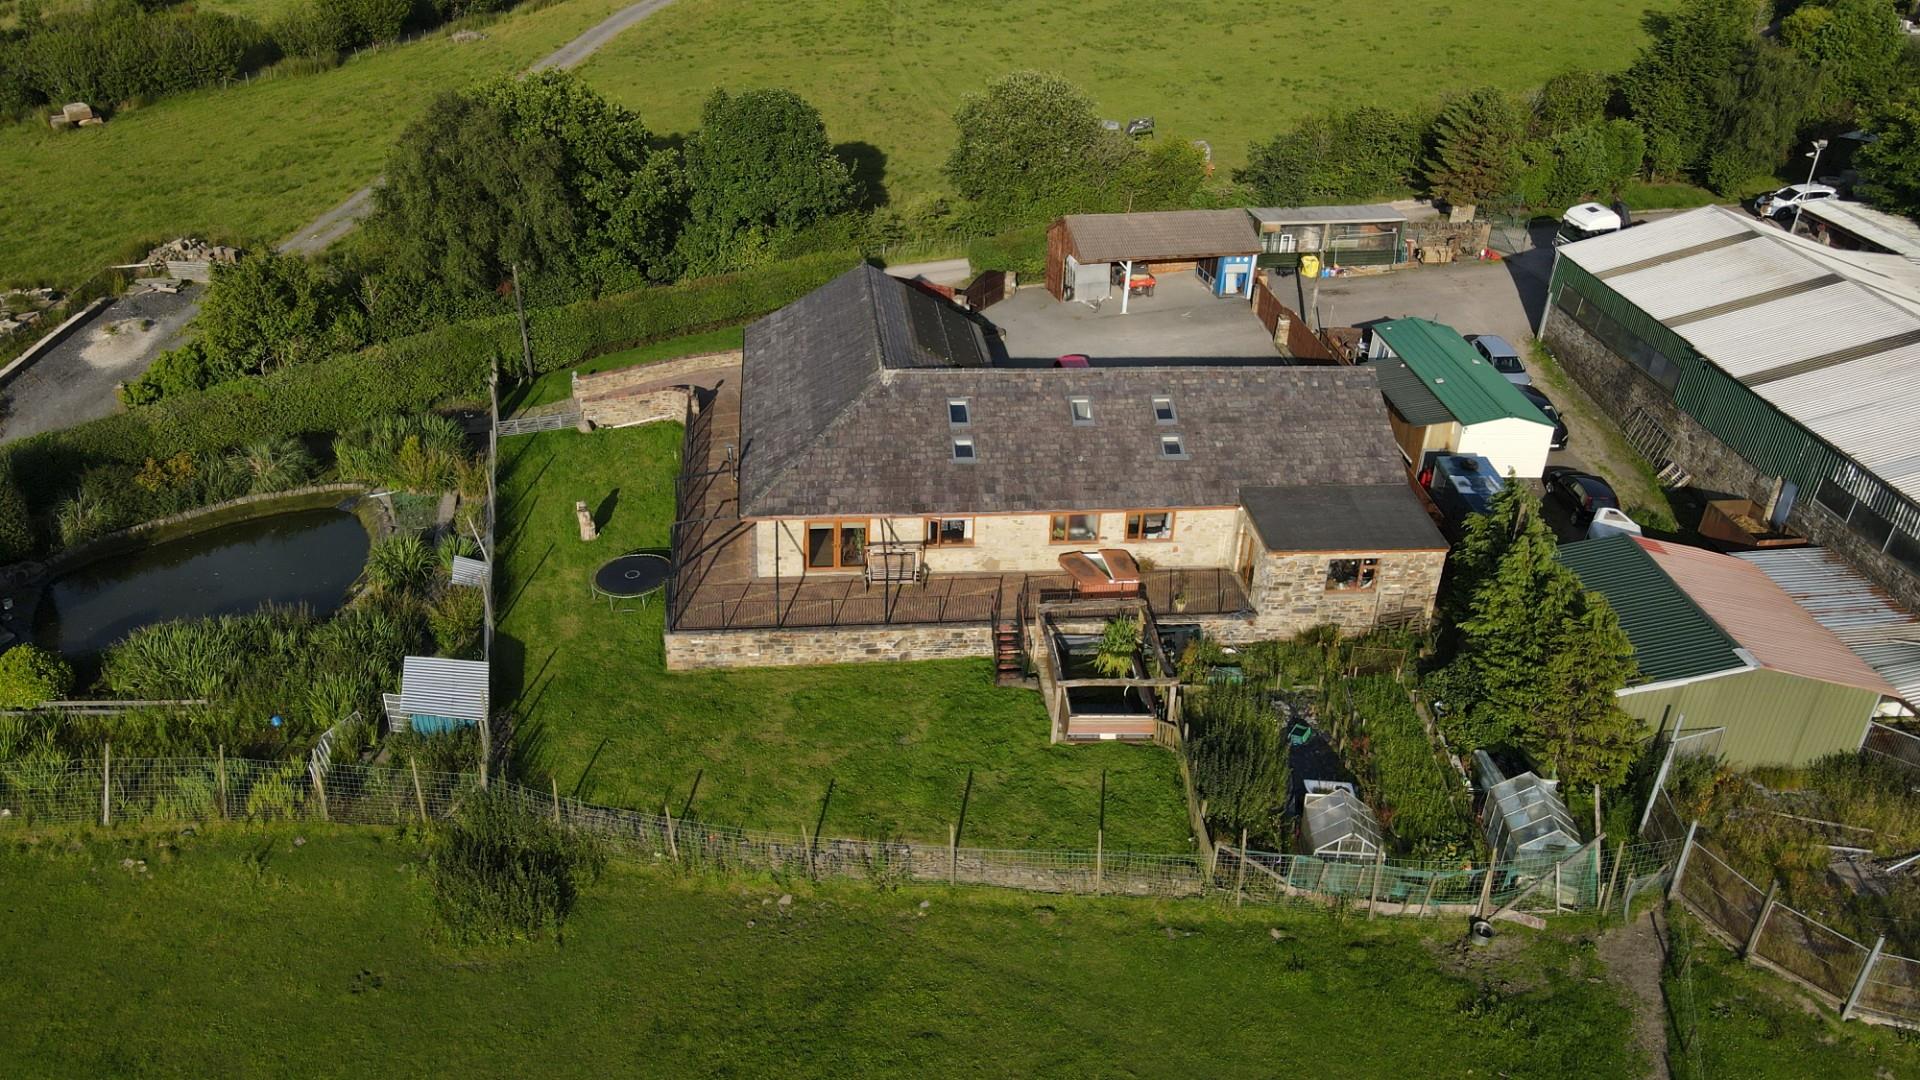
[{"x": 1760, "y": 615}]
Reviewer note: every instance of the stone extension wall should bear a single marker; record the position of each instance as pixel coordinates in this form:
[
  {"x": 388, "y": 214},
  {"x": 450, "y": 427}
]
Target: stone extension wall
[
  {"x": 616, "y": 398},
  {"x": 1290, "y": 592},
  {"x": 825, "y": 645},
  {"x": 1620, "y": 389}
]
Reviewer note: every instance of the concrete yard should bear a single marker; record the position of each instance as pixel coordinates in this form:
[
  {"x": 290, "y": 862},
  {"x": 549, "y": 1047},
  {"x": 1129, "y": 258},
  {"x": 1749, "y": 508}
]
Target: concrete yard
[
  {"x": 75, "y": 380},
  {"x": 1182, "y": 319}
]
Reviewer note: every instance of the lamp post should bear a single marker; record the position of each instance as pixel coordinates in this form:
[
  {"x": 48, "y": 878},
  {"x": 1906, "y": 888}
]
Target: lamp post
[{"x": 1818, "y": 145}]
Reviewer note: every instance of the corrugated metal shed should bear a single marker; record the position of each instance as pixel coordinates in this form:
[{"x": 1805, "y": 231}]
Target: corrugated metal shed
[
  {"x": 1761, "y": 616},
  {"x": 434, "y": 686},
  {"x": 469, "y": 571},
  {"x": 1672, "y": 637},
  {"x": 1277, "y": 216},
  {"x": 1170, "y": 235},
  {"x": 1891, "y": 231},
  {"x": 1451, "y": 371},
  {"x": 1879, "y": 631},
  {"x": 1830, "y": 338}
]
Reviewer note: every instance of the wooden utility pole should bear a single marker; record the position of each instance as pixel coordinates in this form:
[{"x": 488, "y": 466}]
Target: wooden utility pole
[{"x": 520, "y": 308}]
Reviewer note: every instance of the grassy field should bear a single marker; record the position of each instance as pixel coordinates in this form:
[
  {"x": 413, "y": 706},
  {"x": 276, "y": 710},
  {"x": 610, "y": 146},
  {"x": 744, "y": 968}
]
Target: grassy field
[
  {"x": 247, "y": 163},
  {"x": 890, "y": 75},
  {"x": 604, "y": 717},
  {"x": 1727, "y": 1018},
  {"x": 242, "y": 954}
]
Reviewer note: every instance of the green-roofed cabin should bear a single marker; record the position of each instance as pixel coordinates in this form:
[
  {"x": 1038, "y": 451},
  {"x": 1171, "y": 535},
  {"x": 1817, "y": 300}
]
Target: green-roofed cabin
[
  {"x": 1443, "y": 397},
  {"x": 1722, "y": 647}
]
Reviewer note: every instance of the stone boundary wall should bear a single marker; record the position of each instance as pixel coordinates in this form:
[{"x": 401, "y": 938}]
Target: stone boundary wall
[
  {"x": 1620, "y": 389},
  {"x": 619, "y": 398},
  {"x": 691, "y": 650}
]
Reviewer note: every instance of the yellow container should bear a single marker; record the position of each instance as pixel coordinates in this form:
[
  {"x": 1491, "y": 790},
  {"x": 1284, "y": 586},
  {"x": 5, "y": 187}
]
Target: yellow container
[{"x": 1309, "y": 266}]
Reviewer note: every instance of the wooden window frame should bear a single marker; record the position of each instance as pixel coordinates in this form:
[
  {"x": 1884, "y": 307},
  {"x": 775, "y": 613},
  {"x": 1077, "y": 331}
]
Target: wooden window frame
[
  {"x": 932, "y": 532},
  {"x": 1141, "y": 537},
  {"x": 1066, "y": 530},
  {"x": 837, "y": 525},
  {"x": 1361, "y": 568}
]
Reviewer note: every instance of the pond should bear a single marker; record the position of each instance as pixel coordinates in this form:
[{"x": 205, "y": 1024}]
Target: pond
[{"x": 308, "y": 557}]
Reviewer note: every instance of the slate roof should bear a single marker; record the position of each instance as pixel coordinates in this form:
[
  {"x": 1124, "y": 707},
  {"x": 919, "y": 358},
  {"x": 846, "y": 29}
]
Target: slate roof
[
  {"x": 1163, "y": 235},
  {"x": 1459, "y": 379},
  {"x": 842, "y": 412},
  {"x": 1369, "y": 517}
]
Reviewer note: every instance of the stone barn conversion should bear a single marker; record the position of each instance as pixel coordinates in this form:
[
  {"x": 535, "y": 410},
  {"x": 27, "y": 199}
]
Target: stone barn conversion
[{"x": 1764, "y": 365}]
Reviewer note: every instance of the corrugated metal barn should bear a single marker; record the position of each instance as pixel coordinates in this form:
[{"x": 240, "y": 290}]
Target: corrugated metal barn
[
  {"x": 1720, "y": 646},
  {"x": 1802, "y": 360}
]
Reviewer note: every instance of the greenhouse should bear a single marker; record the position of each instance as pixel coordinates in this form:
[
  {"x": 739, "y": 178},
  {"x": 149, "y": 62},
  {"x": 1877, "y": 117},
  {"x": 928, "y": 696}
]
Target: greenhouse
[
  {"x": 1523, "y": 816},
  {"x": 1334, "y": 823}
]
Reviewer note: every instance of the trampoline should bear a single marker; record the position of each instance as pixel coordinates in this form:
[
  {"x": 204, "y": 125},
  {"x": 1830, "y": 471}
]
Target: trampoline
[{"x": 635, "y": 575}]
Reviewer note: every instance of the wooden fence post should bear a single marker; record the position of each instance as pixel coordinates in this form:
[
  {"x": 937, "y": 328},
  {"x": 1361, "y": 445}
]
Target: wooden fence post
[
  {"x": 554, "y": 785},
  {"x": 673, "y": 842},
  {"x": 1619, "y": 856},
  {"x": 1426, "y": 904},
  {"x": 1759, "y": 924},
  {"x": 953, "y": 854},
  {"x": 1373, "y": 890},
  {"x": 221, "y": 773},
  {"x": 1860, "y": 984},
  {"x": 1556, "y": 888},
  {"x": 106, "y": 784},
  {"x": 1486, "y": 884},
  {"x": 1099, "y": 859},
  {"x": 1240, "y": 878},
  {"x": 1680, "y": 866},
  {"x": 419, "y": 796}
]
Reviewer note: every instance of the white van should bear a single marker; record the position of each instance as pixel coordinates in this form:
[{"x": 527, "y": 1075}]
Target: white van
[{"x": 1584, "y": 221}]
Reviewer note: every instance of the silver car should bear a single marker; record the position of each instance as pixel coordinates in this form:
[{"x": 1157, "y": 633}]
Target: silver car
[{"x": 1504, "y": 357}]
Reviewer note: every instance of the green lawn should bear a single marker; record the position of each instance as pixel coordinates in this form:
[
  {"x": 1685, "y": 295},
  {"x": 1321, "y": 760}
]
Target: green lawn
[
  {"x": 243, "y": 955},
  {"x": 890, "y": 75},
  {"x": 249, "y": 163},
  {"x": 604, "y": 717},
  {"x": 1727, "y": 1019},
  {"x": 555, "y": 385}
]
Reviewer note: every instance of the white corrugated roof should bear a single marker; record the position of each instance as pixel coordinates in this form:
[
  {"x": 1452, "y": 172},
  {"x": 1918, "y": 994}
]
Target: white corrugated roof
[
  {"x": 1680, "y": 269},
  {"x": 1840, "y": 598},
  {"x": 434, "y": 686},
  {"x": 1890, "y": 231}
]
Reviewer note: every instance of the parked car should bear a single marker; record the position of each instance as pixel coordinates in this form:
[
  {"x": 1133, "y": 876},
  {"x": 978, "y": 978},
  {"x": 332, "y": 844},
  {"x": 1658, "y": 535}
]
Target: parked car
[
  {"x": 1776, "y": 204},
  {"x": 1547, "y": 409},
  {"x": 1583, "y": 494},
  {"x": 1504, "y": 357}
]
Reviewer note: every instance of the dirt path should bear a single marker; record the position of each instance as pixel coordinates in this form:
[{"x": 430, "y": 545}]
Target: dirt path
[
  {"x": 321, "y": 233},
  {"x": 1633, "y": 955}
]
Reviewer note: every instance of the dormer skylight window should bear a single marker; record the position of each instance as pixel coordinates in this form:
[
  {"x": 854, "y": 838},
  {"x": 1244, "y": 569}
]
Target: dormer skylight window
[
  {"x": 1081, "y": 409},
  {"x": 957, "y": 412},
  {"x": 1172, "y": 447},
  {"x": 963, "y": 451},
  {"x": 1163, "y": 410}
]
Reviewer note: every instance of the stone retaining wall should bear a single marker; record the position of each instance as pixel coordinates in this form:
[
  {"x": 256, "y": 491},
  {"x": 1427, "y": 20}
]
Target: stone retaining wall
[
  {"x": 686, "y": 651},
  {"x": 615, "y": 398}
]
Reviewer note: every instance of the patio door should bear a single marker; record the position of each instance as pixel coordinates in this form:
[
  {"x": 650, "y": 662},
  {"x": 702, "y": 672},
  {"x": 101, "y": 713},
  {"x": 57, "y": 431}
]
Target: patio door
[{"x": 836, "y": 545}]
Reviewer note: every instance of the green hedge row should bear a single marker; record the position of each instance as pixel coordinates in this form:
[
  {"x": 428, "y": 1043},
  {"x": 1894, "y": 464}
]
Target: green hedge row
[{"x": 406, "y": 375}]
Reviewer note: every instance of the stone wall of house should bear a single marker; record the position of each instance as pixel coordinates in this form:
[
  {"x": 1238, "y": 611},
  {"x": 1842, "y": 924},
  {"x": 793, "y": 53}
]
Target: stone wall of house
[
  {"x": 1621, "y": 390},
  {"x": 613, "y": 398},
  {"x": 1290, "y": 592},
  {"x": 1018, "y": 543},
  {"x": 826, "y": 645}
]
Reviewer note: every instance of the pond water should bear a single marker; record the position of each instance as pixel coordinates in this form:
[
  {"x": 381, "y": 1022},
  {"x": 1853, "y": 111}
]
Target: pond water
[{"x": 308, "y": 557}]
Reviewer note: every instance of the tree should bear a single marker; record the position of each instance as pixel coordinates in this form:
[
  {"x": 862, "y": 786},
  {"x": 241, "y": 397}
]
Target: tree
[
  {"x": 1512, "y": 514},
  {"x": 1570, "y": 100},
  {"x": 1578, "y": 729},
  {"x": 1333, "y": 156},
  {"x": 1890, "y": 164},
  {"x": 1595, "y": 161},
  {"x": 1476, "y": 148},
  {"x": 1510, "y": 633},
  {"x": 1670, "y": 88},
  {"x": 759, "y": 169},
  {"x": 540, "y": 171},
  {"x": 30, "y": 675},
  {"x": 1855, "y": 44},
  {"x": 1030, "y": 147},
  {"x": 269, "y": 310},
  {"x": 1759, "y": 103}
]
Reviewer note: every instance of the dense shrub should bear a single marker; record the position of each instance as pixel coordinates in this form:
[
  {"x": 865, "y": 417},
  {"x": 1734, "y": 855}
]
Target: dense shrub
[
  {"x": 1352, "y": 156},
  {"x": 455, "y": 618},
  {"x": 500, "y": 872},
  {"x": 30, "y": 675},
  {"x": 116, "y": 51},
  {"x": 1399, "y": 772},
  {"x": 402, "y": 376},
  {"x": 400, "y": 563},
  {"x": 759, "y": 169},
  {"x": 324, "y": 29},
  {"x": 1238, "y": 758},
  {"x": 408, "y": 453},
  {"x": 16, "y": 527}
]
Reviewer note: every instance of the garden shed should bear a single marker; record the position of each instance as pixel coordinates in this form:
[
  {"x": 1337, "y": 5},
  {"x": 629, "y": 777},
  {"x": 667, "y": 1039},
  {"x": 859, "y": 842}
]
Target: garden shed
[
  {"x": 1444, "y": 397},
  {"x": 1721, "y": 646},
  {"x": 1523, "y": 816},
  {"x": 1340, "y": 235},
  {"x": 1083, "y": 251},
  {"x": 438, "y": 695},
  {"x": 1336, "y": 824}
]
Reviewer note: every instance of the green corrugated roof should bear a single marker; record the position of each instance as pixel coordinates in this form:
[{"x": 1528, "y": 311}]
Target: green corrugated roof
[
  {"x": 1452, "y": 373},
  {"x": 1672, "y": 638}
]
